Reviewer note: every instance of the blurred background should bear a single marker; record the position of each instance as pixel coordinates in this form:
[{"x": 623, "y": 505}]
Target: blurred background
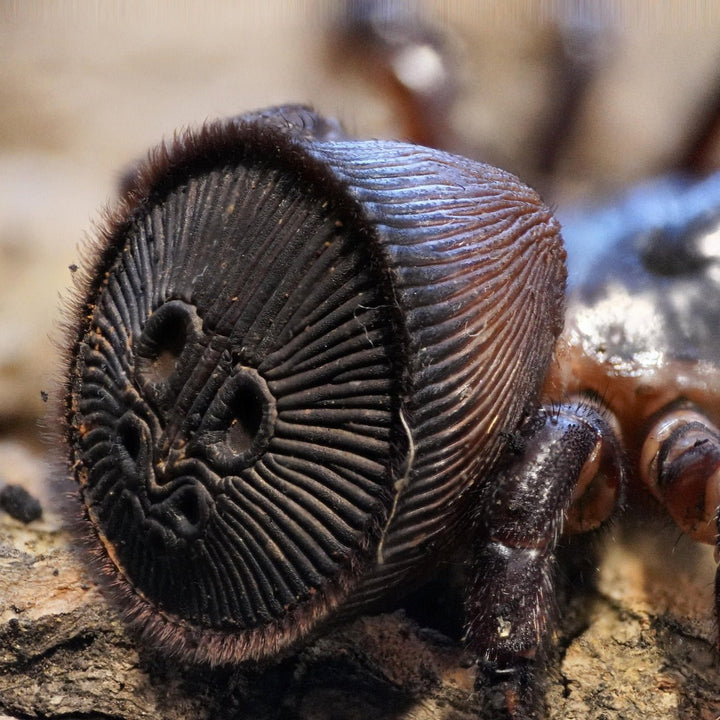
[{"x": 86, "y": 88}]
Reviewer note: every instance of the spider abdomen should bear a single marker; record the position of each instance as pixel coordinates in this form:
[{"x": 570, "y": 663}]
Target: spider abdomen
[{"x": 294, "y": 357}]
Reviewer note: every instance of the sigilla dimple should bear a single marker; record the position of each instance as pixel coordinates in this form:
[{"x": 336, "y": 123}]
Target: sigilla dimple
[
  {"x": 291, "y": 359},
  {"x": 162, "y": 341}
]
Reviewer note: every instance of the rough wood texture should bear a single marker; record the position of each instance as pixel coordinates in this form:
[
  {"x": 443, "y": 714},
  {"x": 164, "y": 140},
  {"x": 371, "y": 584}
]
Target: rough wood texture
[{"x": 640, "y": 647}]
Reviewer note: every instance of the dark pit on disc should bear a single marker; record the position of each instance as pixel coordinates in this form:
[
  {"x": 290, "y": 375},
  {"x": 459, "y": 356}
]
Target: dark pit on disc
[
  {"x": 167, "y": 332},
  {"x": 247, "y": 408},
  {"x": 240, "y": 422}
]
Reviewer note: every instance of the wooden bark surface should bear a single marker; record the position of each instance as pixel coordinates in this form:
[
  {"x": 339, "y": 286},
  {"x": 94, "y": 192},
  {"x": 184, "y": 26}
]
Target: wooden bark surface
[{"x": 641, "y": 646}]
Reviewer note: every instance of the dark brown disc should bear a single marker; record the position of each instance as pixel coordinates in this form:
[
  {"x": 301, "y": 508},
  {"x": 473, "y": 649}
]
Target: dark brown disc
[{"x": 232, "y": 401}]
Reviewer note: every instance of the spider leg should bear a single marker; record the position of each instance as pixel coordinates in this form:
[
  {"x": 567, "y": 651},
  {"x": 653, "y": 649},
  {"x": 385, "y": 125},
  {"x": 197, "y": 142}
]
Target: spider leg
[
  {"x": 567, "y": 462},
  {"x": 407, "y": 57},
  {"x": 680, "y": 463}
]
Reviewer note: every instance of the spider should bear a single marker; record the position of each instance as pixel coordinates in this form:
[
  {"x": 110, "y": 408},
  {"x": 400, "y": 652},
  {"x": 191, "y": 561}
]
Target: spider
[{"x": 606, "y": 414}]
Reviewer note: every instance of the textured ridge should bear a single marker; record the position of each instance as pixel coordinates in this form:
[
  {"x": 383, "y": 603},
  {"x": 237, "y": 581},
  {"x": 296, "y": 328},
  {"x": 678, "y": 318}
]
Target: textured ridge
[{"x": 478, "y": 268}]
